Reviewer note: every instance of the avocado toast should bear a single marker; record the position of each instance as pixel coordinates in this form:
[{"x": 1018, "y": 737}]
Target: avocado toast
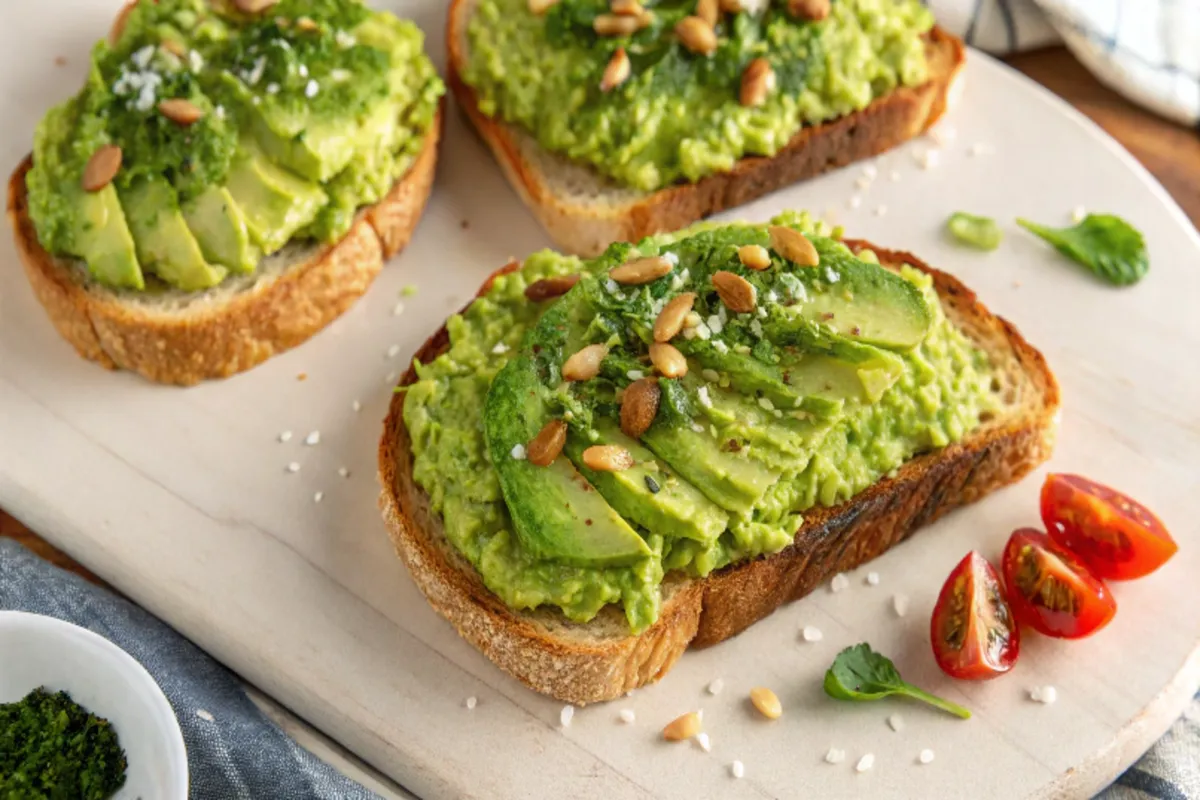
[
  {"x": 583, "y": 504},
  {"x": 229, "y": 180},
  {"x": 615, "y": 120}
]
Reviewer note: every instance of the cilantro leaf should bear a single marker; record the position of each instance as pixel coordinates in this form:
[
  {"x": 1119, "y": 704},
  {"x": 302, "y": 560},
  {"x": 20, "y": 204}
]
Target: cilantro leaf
[
  {"x": 860, "y": 674},
  {"x": 1104, "y": 243}
]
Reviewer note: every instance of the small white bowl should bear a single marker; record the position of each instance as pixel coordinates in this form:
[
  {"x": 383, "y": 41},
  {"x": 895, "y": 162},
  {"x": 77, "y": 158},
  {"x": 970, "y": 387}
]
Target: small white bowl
[{"x": 104, "y": 679}]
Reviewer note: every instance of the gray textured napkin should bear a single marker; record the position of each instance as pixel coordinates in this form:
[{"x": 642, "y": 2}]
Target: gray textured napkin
[{"x": 234, "y": 751}]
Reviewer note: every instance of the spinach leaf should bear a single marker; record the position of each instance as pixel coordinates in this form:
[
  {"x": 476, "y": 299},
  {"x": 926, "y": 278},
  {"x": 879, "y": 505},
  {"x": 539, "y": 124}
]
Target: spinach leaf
[
  {"x": 1104, "y": 243},
  {"x": 981, "y": 232},
  {"x": 859, "y": 674}
]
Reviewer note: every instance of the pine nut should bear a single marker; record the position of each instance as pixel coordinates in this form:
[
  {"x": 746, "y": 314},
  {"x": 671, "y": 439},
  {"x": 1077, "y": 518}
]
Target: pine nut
[
  {"x": 607, "y": 458},
  {"x": 671, "y": 318},
  {"x": 549, "y": 288},
  {"x": 584, "y": 365},
  {"x": 539, "y": 7},
  {"x": 696, "y": 35},
  {"x": 754, "y": 256},
  {"x": 758, "y": 81},
  {"x": 615, "y": 25},
  {"x": 641, "y": 270},
  {"x": 682, "y": 728},
  {"x": 546, "y": 446},
  {"x": 626, "y": 8},
  {"x": 811, "y": 10},
  {"x": 709, "y": 11},
  {"x": 767, "y": 702},
  {"x": 668, "y": 360},
  {"x": 737, "y": 293},
  {"x": 794, "y": 246},
  {"x": 180, "y": 111},
  {"x": 616, "y": 73},
  {"x": 101, "y": 168},
  {"x": 639, "y": 406}
]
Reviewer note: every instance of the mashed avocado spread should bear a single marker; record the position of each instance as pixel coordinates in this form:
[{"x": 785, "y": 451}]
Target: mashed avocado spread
[
  {"x": 679, "y": 113},
  {"x": 206, "y": 138},
  {"x": 836, "y": 374}
]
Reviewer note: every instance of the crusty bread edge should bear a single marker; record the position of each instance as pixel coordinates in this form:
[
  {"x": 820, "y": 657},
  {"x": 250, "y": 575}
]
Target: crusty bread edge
[
  {"x": 233, "y": 336},
  {"x": 588, "y": 229},
  {"x": 704, "y": 612}
]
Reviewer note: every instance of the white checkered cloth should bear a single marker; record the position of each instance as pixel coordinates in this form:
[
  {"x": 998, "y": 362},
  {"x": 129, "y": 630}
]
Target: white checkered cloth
[{"x": 1148, "y": 50}]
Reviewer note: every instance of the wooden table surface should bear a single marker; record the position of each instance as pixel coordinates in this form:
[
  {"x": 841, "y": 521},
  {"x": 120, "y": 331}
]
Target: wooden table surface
[{"x": 1171, "y": 152}]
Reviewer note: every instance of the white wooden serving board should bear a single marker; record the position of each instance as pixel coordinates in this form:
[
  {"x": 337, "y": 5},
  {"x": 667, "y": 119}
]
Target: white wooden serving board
[{"x": 181, "y": 498}]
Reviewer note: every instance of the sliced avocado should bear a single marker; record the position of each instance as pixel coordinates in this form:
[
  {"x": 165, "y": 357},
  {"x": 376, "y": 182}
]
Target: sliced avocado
[
  {"x": 650, "y": 493},
  {"x": 861, "y": 301},
  {"x": 103, "y": 239},
  {"x": 751, "y": 376},
  {"x": 219, "y": 226},
  {"x": 275, "y": 202},
  {"x": 733, "y": 482},
  {"x": 556, "y": 513},
  {"x": 783, "y": 442},
  {"x": 315, "y": 148},
  {"x": 318, "y": 151},
  {"x": 165, "y": 246}
]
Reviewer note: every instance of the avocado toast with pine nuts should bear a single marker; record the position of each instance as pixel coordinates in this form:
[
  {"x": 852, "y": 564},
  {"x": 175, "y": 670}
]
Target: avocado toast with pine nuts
[
  {"x": 616, "y": 119},
  {"x": 600, "y": 463},
  {"x": 229, "y": 180}
]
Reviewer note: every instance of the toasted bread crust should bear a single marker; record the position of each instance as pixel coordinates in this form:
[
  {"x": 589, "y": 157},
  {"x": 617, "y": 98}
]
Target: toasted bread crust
[
  {"x": 251, "y": 326},
  {"x": 588, "y": 229},
  {"x": 538, "y": 648}
]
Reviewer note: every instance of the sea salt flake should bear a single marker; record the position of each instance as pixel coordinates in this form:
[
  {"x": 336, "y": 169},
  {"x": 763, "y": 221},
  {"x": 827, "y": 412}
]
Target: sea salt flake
[
  {"x": 896, "y": 722},
  {"x": 704, "y": 742},
  {"x": 737, "y": 769},
  {"x": 204, "y": 715},
  {"x": 393, "y": 351},
  {"x": 318, "y": 497},
  {"x": 812, "y": 633},
  {"x": 716, "y": 686},
  {"x": 872, "y": 578},
  {"x": 835, "y": 756},
  {"x": 627, "y": 716},
  {"x": 839, "y": 582},
  {"x": 293, "y": 467},
  {"x": 518, "y": 454},
  {"x": 926, "y": 756},
  {"x": 566, "y": 715},
  {"x": 470, "y": 704},
  {"x": 900, "y": 604},
  {"x": 865, "y": 763},
  {"x": 313, "y": 438},
  {"x": 1043, "y": 694},
  {"x": 286, "y": 436},
  {"x": 500, "y": 349}
]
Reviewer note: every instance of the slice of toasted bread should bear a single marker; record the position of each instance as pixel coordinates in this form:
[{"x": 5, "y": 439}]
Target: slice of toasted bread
[
  {"x": 186, "y": 337},
  {"x": 600, "y": 660},
  {"x": 584, "y": 212}
]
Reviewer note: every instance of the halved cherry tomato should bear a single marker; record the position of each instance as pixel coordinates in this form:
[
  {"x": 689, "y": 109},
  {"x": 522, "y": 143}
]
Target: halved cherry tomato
[
  {"x": 1116, "y": 536},
  {"x": 1051, "y": 591},
  {"x": 973, "y": 631}
]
